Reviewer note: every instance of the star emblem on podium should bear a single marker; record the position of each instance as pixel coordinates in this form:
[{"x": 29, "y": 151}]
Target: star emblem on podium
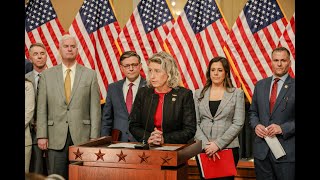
[
  {"x": 166, "y": 159},
  {"x": 121, "y": 156},
  {"x": 78, "y": 154},
  {"x": 144, "y": 158},
  {"x": 100, "y": 155}
]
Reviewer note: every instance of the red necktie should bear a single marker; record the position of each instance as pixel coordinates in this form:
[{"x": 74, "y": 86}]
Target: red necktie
[
  {"x": 129, "y": 98},
  {"x": 273, "y": 95}
]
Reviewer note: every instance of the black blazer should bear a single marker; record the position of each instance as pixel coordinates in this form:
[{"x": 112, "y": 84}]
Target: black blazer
[{"x": 179, "y": 118}]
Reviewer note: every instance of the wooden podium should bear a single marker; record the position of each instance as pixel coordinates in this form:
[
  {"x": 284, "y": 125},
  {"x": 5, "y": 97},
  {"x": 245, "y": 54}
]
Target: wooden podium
[{"x": 94, "y": 160}]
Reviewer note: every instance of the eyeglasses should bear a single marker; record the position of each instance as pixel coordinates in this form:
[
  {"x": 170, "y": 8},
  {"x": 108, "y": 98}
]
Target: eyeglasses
[{"x": 127, "y": 66}]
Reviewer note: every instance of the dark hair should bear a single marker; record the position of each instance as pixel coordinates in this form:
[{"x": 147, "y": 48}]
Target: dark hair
[
  {"x": 128, "y": 54},
  {"x": 280, "y": 49},
  {"x": 227, "y": 81}
]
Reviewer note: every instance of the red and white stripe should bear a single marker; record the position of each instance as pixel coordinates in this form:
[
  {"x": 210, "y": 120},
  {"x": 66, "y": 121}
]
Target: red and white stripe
[
  {"x": 133, "y": 37},
  {"x": 288, "y": 40},
  {"x": 49, "y": 34},
  {"x": 251, "y": 53},
  {"x": 98, "y": 51},
  {"x": 194, "y": 51}
]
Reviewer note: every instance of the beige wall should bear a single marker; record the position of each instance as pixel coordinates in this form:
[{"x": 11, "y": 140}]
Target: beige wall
[{"x": 67, "y": 9}]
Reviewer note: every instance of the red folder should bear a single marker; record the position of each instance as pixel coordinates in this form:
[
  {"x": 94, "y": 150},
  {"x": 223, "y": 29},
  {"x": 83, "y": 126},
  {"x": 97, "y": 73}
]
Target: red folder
[{"x": 222, "y": 167}]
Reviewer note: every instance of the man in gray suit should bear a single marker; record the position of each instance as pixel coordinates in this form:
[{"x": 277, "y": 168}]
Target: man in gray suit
[
  {"x": 115, "y": 112},
  {"x": 38, "y": 58},
  {"x": 274, "y": 119},
  {"x": 69, "y": 111}
]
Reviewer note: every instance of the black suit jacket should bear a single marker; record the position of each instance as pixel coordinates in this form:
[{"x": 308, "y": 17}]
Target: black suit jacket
[
  {"x": 179, "y": 117},
  {"x": 283, "y": 114},
  {"x": 27, "y": 66},
  {"x": 115, "y": 113}
]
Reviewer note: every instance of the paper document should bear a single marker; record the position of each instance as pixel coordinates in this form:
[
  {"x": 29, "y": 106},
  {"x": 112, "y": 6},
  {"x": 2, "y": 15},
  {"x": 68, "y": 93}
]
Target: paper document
[
  {"x": 275, "y": 146},
  {"x": 167, "y": 148},
  {"x": 122, "y": 145}
]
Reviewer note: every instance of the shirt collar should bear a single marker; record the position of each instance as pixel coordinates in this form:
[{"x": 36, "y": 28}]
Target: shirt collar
[
  {"x": 282, "y": 78},
  {"x": 136, "y": 82},
  {"x": 73, "y": 67}
]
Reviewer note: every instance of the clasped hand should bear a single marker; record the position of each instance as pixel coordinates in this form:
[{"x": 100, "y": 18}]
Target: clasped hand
[
  {"x": 211, "y": 150},
  {"x": 156, "y": 137},
  {"x": 270, "y": 131}
]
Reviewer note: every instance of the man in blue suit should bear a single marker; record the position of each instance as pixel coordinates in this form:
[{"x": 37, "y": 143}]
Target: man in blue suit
[
  {"x": 115, "y": 112},
  {"x": 274, "y": 119},
  {"x": 27, "y": 66}
]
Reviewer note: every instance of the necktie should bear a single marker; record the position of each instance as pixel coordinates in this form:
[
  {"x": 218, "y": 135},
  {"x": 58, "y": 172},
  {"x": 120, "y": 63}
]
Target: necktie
[
  {"x": 35, "y": 113},
  {"x": 129, "y": 98},
  {"x": 39, "y": 76},
  {"x": 273, "y": 95},
  {"x": 67, "y": 86}
]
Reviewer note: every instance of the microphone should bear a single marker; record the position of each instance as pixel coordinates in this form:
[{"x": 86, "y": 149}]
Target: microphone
[{"x": 145, "y": 145}]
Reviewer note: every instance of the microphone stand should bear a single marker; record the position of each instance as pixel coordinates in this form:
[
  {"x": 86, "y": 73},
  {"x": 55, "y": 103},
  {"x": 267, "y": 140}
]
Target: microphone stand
[{"x": 145, "y": 145}]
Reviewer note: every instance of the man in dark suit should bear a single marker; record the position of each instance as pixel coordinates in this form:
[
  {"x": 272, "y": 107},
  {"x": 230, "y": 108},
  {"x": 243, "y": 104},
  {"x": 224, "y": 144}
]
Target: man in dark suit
[
  {"x": 115, "y": 111},
  {"x": 27, "y": 66},
  {"x": 68, "y": 110},
  {"x": 38, "y": 57},
  {"x": 272, "y": 113}
]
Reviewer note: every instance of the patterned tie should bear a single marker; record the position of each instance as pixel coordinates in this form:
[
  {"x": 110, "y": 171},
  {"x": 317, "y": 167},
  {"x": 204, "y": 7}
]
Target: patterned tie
[
  {"x": 35, "y": 109},
  {"x": 67, "y": 86},
  {"x": 273, "y": 95},
  {"x": 129, "y": 98},
  {"x": 39, "y": 76}
]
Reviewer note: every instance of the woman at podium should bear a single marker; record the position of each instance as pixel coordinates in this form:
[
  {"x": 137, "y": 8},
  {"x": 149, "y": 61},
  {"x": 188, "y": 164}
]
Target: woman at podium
[{"x": 163, "y": 111}]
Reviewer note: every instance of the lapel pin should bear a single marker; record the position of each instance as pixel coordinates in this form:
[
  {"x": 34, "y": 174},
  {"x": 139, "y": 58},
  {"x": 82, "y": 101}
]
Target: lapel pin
[{"x": 286, "y": 86}]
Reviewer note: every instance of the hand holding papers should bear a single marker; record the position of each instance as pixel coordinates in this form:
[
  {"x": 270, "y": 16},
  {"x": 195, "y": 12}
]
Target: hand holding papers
[{"x": 275, "y": 146}]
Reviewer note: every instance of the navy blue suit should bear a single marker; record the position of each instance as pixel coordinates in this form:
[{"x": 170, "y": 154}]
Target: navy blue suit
[
  {"x": 283, "y": 114},
  {"x": 115, "y": 113},
  {"x": 28, "y": 66}
]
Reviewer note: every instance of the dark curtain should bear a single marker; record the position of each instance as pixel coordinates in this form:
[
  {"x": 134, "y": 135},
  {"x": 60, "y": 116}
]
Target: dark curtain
[{"x": 246, "y": 137}]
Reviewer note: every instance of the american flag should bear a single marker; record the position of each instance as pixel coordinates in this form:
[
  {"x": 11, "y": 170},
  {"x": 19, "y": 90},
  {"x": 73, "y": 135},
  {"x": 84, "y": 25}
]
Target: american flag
[
  {"x": 42, "y": 25},
  {"x": 288, "y": 40},
  {"x": 197, "y": 36},
  {"x": 146, "y": 29},
  {"x": 253, "y": 36},
  {"x": 97, "y": 28}
]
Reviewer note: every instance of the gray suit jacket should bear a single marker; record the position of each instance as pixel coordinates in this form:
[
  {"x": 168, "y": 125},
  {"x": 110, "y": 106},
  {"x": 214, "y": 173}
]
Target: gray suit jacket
[
  {"x": 224, "y": 127},
  {"x": 29, "y": 111},
  {"x": 283, "y": 114},
  {"x": 30, "y": 76},
  {"x": 82, "y": 115},
  {"x": 115, "y": 113}
]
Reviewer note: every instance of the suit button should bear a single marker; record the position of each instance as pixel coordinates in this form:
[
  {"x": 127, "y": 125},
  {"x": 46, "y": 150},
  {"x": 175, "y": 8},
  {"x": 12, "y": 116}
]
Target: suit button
[
  {"x": 127, "y": 132},
  {"x": 67, "y": 122},
  {"x": 68, "y": 109}
]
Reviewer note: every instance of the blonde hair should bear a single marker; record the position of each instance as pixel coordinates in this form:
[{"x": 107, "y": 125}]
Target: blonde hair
[{"x": 168, "y": 64}]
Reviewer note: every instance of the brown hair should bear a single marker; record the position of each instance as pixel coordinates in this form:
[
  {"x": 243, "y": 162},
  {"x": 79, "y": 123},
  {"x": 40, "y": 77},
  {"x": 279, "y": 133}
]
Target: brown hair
[
  {"x": 227, "y": 80},
  {"x": 37, "y": 45},
  {"x": 280, "y": 49},
  {"x": 128, "y": 54}
]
